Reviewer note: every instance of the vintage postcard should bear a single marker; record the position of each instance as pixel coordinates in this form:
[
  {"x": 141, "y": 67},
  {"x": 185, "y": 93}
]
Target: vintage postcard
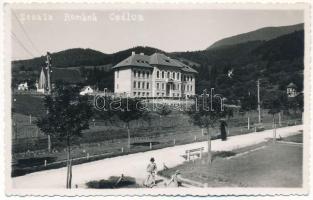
[{"x": 157, "y": 98}]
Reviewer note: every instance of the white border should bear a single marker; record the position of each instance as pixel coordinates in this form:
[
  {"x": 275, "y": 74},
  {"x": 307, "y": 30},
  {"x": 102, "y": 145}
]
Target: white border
[{"x": 143, "y": 5}]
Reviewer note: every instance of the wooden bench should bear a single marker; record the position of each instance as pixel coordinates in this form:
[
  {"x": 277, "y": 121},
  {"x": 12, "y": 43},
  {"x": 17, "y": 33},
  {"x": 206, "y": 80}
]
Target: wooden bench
[{"x": 194, "y": 152}]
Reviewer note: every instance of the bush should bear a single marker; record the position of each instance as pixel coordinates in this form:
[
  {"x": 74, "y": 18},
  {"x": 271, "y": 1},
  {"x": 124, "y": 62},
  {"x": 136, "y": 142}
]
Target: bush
[{"x": 112, "y": 182}]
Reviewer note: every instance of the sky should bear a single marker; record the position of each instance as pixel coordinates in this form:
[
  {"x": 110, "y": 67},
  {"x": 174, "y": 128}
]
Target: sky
[{"x": 34, "y": 32}]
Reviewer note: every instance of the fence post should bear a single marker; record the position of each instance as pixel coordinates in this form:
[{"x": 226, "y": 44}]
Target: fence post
[
  {"x": 174, "y": 141},
  {"x": 254, "y": 129},
  {"x": 150, "y": 145},
  {"x": 195, "y": 138},
  {"x": 45, "y": 163},
  {"x": 202, "y": 132},
  {"x": 87, "y": 156},
  {"x": 30, "y": 119},
  {"x": 201, "y": 152},
  {"x": 122, "y": 149},
  {"x": 188, "y": 156},
  {"x": 49, "y": 143}
]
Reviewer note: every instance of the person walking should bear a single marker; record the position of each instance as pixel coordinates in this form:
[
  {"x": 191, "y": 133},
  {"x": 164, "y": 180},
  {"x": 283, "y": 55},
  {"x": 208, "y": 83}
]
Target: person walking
[
  {"x": 151, "y": 170},
  {"x": 223, "y": 130}
]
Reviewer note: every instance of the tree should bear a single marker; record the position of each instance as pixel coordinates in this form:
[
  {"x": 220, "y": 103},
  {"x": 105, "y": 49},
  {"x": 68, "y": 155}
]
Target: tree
[
  {"x": 163, "y": 112},
  {"x": 248, "y": 103},
  {"x": 205, "y": 112},
  {"x": 275, "y": 101},
  {"x": 68, "y": 114}
]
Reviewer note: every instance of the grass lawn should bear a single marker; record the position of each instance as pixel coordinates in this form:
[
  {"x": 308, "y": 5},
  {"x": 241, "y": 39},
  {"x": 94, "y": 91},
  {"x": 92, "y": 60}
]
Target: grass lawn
[
  {"x": 269, "y": 165},
  {"x": 295, "y": 138}
]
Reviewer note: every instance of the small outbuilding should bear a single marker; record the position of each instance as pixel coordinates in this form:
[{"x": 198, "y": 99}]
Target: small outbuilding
[
  {"x": 86, "y": 90},
  {"x": 292, "y": 90}
]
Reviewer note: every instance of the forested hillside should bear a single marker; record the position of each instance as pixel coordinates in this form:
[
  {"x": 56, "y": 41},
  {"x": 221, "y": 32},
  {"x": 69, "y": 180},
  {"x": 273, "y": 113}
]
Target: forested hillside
[
  {"x": 263, "y": 34},
  {"x": 276, "y": 62}
]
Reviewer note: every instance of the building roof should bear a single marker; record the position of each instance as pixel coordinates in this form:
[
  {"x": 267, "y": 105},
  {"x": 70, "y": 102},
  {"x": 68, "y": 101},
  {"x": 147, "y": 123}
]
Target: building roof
[
  {"x": 161, "y": 59},
  {"x": 141, "y": 60},
  {"x": 135, "y": 60},
  {"x": 292, "y": 85}
]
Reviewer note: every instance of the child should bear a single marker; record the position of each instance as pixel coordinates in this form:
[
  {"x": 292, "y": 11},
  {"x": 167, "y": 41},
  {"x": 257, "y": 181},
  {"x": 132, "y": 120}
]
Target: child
[
  {"x": 175, "y": 179},
  {"x": 151, "y": 169}
]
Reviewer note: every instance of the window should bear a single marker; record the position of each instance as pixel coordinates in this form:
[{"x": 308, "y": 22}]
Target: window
[
  {"x": 187, "y": 87},
  {"x": 162, "y": 86},
  {"x": 173, "y": 75},
  {"x": 158, "y": 85},
  {"x": 174, "y": 86},
  {"x": 158, "y": 74},
  {"x": 134, "y": 93},
  {"x": 138, "y": 94},
  {"x": 162, "y": 74},
  {"x": 190, "y": 78},
  {"x": 138, "y": 85},
  {"x": 168, "y": 74},
  {"x": 139, "y": 74},
  {"x": 148, "y": 73},
  {"x": 147, "y": 85},
  {"x": 178, "y": 75},
  {"x": 135, "y": 73},
  {"x": 162, "y": 94},
  {"x": 191, "y": 88},
  {"x": 143, "y": 94},
  {"x": 134, "y": 84},
  {"x": 157, "y": 94},
  {"x": 143, "y": 85},
  {"x": 147, "y": 94},
  {"x": 143, "y": 74}
]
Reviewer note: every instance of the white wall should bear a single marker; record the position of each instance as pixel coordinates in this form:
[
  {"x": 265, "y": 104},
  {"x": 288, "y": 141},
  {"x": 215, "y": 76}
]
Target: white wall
[{"x": 122, "y": 81}]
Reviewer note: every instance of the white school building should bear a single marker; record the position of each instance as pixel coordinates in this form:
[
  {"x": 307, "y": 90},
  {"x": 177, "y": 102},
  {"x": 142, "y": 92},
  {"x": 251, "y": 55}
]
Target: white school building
[{"x": 156, "y": 75}]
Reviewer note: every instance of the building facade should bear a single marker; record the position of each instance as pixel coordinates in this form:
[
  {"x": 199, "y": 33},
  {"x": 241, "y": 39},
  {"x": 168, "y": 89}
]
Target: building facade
[{"x": 153, "y": 76}]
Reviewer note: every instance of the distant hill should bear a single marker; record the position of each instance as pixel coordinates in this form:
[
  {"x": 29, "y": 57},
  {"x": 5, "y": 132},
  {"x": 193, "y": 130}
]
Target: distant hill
[
  {"x": 81, "y": 57},
  {"x": 277, "y": 62},
  {"x": 263, "y": 34}
]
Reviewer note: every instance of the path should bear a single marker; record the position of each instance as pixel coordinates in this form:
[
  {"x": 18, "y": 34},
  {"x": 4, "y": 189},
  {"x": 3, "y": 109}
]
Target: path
[{"x": 134, "y": 164}]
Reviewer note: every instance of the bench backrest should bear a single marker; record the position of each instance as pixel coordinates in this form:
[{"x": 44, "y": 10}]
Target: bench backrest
[{"x": 194, "y": 150}]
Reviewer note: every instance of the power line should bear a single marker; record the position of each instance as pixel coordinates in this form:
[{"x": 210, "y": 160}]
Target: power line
[
  {"x": 21, "y": 25},
  {"x": 21, "y": 44}
]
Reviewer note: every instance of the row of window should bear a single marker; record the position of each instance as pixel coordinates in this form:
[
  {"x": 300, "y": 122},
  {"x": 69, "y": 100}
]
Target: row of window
[
  {"x": 163, "y": 94},
  {"x": 141, "y": 94},
  {"x": 187, "y": 88},
  {"x": 173, "y": 75},
  {"x": 141, "y": 85},
  {"x": 141, "y": 74}
]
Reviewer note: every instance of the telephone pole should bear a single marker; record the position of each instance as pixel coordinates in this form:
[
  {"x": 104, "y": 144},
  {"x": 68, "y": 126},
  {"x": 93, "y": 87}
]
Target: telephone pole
[
  {"x": 48, "y": 62},
  {"x": 259, "y": 103},
  {"x": 48, "y": 68}
]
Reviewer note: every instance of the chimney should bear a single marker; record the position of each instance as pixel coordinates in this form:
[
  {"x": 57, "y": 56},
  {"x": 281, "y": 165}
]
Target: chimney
[
  {"x": 133, "y": 53},
  {"x": 142, "y": 54}
]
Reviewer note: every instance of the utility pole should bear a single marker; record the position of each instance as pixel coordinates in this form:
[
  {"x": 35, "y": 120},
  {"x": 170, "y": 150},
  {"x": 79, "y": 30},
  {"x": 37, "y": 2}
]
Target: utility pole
[
  {"x": 48, "y": 68},
  {"x": 48, "y": 62},
  {"x": 259, "y": 103}
]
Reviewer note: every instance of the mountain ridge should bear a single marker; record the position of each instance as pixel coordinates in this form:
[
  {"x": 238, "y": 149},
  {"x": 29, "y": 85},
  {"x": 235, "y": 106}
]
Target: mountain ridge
[{"x": 263, "y": 34}]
